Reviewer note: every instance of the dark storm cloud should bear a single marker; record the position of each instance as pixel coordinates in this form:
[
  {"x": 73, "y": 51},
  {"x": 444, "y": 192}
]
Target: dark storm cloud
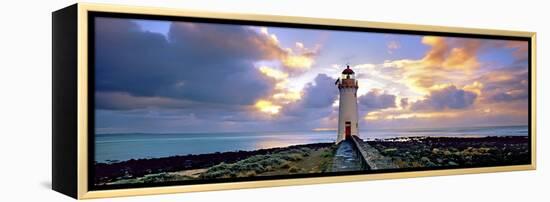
[
  {"x": 125, "y": 101},
  {"x": 317, "y": 99},
  {"x": 376, "y": 99},
  {"x": 197, "y": 62},
  {"x": 449, "y": 97},
  {"x": 510, "y": 96},
  {"x": 506, "y": 85},
  {"x": 320, "y": 93}
]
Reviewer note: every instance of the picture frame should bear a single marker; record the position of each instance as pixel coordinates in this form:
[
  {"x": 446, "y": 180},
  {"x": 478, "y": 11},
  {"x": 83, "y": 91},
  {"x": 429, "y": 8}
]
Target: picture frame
[{"x": 74, "y": 157}]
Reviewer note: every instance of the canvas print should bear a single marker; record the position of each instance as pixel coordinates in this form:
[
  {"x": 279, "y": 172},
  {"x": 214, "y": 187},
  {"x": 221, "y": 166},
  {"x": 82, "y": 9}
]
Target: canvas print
[{"x": 188, "y": 102}]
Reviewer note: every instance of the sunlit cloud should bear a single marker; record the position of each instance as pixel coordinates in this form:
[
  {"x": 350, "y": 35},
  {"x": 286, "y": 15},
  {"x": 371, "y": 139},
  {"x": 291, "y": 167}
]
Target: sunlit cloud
[
  {"x": 271, "y": 37},
  {"x": 297, "y": 58},
  {"x": 451, "y": 53},
  {"x": 298, "y": 61},
  {"x": 448, "y": 59},
  {"x": 372, "y": 116},
  {"x": 267, "y": 107},
  {"x": 449, "y": 82},
  {"x": 300, "y": 57},
  {"x": 325, "y": 129},
  {"x": 273, "y": 73},
  {"x": 475, "y": 87},
  {"x": 423, "y": 115},
  {"x": 283, "y": 68},
  {"x": 282, "y": 94},
  {"x": 287, "y": 97}
]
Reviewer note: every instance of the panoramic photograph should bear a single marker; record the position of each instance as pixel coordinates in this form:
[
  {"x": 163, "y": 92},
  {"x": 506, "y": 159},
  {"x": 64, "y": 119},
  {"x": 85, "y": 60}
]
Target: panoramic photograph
[{"x": 197, "y": 102}]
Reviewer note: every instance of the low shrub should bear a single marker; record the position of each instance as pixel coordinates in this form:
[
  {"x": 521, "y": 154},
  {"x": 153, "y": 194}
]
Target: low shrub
[{"x": 293, "y": 169}]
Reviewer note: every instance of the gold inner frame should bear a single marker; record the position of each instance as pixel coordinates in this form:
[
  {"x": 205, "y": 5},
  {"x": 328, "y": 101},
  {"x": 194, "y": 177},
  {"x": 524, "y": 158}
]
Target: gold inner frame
[{"x": 85, "y": 193}]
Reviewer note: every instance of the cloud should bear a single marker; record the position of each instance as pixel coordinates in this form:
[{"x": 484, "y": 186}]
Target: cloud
[
  {"x": 296, "y": 59},
  {"x": 455, "y": 60},
  {"x": 320, "y": 93},
  {"x": 125, "y": 101},
  {"x": 267, "y": 107},
  {"x": 197, "y": 74},
  {"x": 376, "y": 99},
  {"x": 475, "y": 87},
  {"x": 168, "y": 120},
  {"x": 458, "y": 82},
  {"x": 202, "y": 77},
  {"x": 404, "y": 103},
  {"x": 506, "y": 85},
  {"x": 447, "y": 59},
  {"x": 317, "y": 101},
  {"x": 448, "y": 97},
  {"x": 451, "y": 53},
  {"x": 511, "y": 95},
  {"x": 197, "y": 62},
  {"x": 520, "y": 49},
  {"x": 273, "y": 73},
  {"x": 392, "y": 46}
]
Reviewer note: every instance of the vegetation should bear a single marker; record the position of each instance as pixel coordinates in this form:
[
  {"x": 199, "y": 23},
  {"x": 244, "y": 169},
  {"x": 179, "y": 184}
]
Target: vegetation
[
  {"x": 310, "y": 158},
  {"x": 455, "y": 151},
  {"x": 259, "y": 164},
  {"x": 418, "y": 152},
  {"x": 152, "y": 178},
  {"x": 156, "y": 169}
]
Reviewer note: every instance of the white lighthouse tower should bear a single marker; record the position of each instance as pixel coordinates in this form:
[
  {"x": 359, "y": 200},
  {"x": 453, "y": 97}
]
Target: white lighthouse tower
[{"x": 348, "y": 124}]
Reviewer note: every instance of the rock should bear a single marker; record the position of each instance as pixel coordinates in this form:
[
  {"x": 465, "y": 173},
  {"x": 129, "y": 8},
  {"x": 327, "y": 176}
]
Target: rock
[
  {"x": 425, "y": 159},
  {"x": 452, "y": 163},
  {"x": 427, "y": 162},
  {"x": 430, "y": 164}
]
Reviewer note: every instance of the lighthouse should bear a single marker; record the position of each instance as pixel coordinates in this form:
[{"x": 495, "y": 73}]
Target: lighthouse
[{"x": 348, "y": 124}]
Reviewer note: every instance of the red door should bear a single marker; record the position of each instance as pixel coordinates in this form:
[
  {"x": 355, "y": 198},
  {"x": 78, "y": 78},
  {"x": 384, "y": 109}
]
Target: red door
[{"x": 348, "y": 130}]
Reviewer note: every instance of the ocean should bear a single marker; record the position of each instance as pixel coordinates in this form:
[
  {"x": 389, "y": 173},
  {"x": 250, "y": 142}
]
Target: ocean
[{"x": 121, "y": 147}]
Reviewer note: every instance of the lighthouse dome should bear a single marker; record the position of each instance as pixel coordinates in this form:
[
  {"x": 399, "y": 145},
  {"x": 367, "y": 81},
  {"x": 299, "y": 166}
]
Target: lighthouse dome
[{"x": 348, "y": 71}]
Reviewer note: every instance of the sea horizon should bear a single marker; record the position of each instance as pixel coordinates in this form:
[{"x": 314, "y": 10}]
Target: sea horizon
[
  {"x": 315, "y": 129},
  {"x": 114, "y": 146}
]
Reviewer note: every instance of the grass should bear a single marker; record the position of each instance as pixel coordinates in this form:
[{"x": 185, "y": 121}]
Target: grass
[
  {"x": 327, "y": 159},
  {"x": 296, "y": 160},
  {"x": 153, "y": 178},
  {"x": 282, "y": 162}
]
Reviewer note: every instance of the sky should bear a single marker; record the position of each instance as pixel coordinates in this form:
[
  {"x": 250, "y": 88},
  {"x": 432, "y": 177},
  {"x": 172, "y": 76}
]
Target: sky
[{"x": 171, "y": 77}]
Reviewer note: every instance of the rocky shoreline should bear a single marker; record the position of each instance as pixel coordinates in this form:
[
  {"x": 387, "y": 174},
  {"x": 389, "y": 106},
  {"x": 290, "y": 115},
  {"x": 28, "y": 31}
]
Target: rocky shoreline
[
  {"x": 401, "y": 152},
  {"x": 418, "y": 152},
  {"x": 134, "y": 168}
]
